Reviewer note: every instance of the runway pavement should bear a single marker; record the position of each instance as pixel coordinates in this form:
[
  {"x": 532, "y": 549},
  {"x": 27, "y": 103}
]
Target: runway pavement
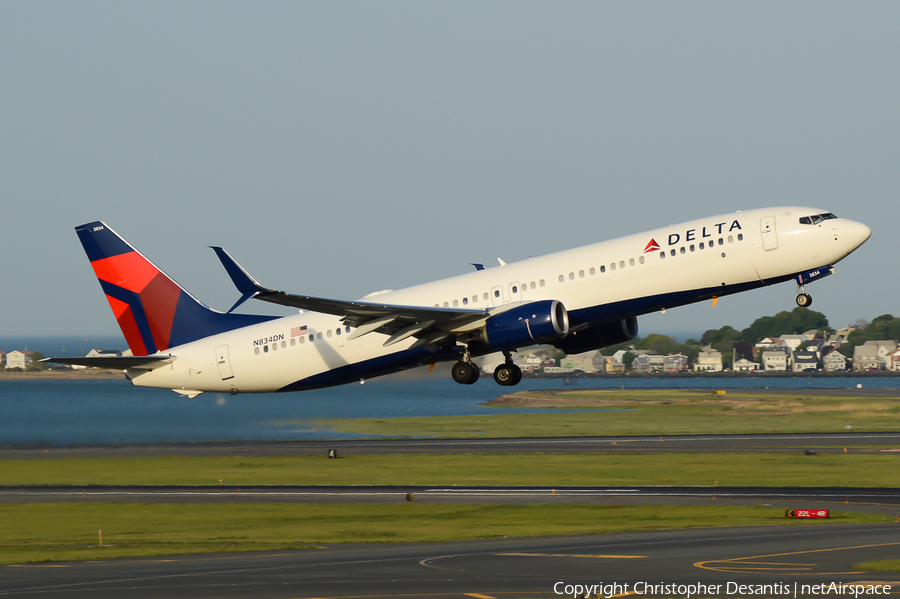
[
  {"x": 764, "y": 443},
  {"x": 779, "y": 560},
  {"x": 874, "y": 500}
]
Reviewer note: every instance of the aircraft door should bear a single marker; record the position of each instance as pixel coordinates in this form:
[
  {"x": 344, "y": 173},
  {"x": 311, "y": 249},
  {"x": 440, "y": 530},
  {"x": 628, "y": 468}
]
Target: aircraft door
[
  {"x": 497, "y": 295},
  {"x": 769, "y": 238},
  {"x": 515, "y": 292},
  {"x": 223, "y": 363}
]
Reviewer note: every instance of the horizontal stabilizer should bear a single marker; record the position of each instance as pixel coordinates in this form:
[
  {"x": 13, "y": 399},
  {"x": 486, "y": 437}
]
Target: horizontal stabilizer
[{"x": 116, "y": 362}]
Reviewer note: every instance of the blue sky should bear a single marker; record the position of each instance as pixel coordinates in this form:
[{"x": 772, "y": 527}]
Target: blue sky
[{"x": 341, "y": 148}]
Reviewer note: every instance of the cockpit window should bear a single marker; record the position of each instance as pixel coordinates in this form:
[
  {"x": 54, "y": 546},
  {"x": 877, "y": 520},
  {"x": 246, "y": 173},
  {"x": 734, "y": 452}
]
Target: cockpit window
[{"x": 816, "y": 219}]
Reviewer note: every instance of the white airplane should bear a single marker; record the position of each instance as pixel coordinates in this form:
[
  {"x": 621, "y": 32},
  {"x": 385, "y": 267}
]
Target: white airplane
[{"x": 576, "y": 300}]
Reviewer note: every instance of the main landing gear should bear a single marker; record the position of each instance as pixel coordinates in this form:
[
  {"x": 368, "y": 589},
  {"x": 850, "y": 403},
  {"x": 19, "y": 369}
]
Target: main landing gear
[
  {"x": 465, "y": 372},
  {"x": 507, "y": 374}
]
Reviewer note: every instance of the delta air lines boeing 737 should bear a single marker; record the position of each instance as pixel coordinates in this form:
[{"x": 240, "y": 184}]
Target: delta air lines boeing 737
[{"x": 576, "y": 300}]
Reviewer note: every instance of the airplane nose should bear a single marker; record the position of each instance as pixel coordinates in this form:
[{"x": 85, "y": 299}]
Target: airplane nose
[{"x": 854, "y": 234}]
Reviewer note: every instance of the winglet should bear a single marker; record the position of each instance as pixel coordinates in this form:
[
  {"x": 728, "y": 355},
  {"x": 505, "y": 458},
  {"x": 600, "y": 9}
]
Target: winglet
[{"x": 246, "y": 284}]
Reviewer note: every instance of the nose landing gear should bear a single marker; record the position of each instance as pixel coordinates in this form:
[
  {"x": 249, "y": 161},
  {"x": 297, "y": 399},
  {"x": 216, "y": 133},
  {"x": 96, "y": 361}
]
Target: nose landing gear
[{"x": 804, "y": 300}]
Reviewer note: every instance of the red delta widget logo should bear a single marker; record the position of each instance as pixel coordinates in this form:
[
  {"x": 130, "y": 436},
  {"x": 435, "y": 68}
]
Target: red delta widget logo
[{"x": 695, "y": 234}]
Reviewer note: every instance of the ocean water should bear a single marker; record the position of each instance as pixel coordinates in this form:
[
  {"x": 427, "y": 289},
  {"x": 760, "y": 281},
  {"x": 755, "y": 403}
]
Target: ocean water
[{"x": 115, "y": 412}]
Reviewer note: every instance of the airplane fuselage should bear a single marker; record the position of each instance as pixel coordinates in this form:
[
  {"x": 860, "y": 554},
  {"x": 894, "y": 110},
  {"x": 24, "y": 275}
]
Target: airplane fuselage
[{"x": 599, "y": 283}]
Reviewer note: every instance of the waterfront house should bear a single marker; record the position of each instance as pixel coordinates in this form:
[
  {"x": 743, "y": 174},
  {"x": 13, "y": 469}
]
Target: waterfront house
[
  {"x": 804, "y": 361},
  {"x": 834, "y": 362},
  {"x": 18, "y": 359},
  {"x": 708, "y": 360}
]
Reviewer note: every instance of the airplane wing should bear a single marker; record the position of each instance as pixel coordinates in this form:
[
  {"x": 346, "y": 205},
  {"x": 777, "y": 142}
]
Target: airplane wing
[
  {"x": 427, "y": 324},
  {"x": 116, "y": 362}
]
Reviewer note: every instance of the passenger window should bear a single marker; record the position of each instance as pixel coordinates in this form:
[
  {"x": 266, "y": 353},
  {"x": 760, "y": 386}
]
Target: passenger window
[
  {"x": 740, "y": 237},
  {"x": 541, "y": 283},
  {"x": 455, "y": 303},
  {"x": 312, "y": 337},
  {"x": 580, "y": 274},
  {"x": 612, "y": 266},
  {"x": 721, "y": 241},
  {"x": 701, "y": 245},
  {"x": 446, "y": 304},
  {"x": 465, "y": 301},
  {"x": 474, "y": 299},
  {"x": 515, "y": 289},
  {"x": 319, "y": 336},
  {"x": 256, "y": 350},
  {"x": 593, "y": 271},
  {"x": 329, "y": 333},
  {"x": 730, "y": 239},
  {"x": 631, "y": 262},
  {"x": 662, "y": 254},
  {"x": 603, "y": 268},
  {"x": 683, "y": 250},
  {"x": 265, "y": 349},
  {"x": 692, "y": 247},
  {"x": 283, "y": 344},
  {"x": 485, "y": 296},
  {"x": 293, "y": 342},
  {"x": 338, "y": 332},
  {"x": 274, "y": 346},
  {"x": 621, "y": 264},
  {"x": 561, "y": 279},
  {"x": 641, "y": 259},
  {"x": 571, "y": 276},
  {"x": 496, "y": 293},
  {"x": 673, "y": 252},
  {"x": 302, "y": 340}
]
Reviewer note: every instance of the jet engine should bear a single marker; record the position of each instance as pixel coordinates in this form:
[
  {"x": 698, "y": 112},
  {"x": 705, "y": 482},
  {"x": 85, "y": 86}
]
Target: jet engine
[
  {"x": 603, "y": 335},
  {"x": 529, "y": 324}
]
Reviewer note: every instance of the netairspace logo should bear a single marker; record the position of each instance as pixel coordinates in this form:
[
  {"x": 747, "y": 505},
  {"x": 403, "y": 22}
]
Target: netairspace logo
[{"x": 616, "y": 589}]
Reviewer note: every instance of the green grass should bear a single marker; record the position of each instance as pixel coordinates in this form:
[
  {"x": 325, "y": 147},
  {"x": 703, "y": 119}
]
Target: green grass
[
  {"x": 881, "y": 565},
  {"x": 63, "y": 532},
  {"x": 646, "y": 412},
  {"x": 855, "y": 470}
]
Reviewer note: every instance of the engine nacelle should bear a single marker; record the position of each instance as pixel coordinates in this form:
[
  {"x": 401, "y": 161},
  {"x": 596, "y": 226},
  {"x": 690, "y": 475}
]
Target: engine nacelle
[
  {"x": 529, "y": 324},
  {"x": 603, "y": 335}
]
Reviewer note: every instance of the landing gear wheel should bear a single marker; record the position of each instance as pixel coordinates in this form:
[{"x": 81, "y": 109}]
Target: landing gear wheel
[
  {"x": 804, "y": 300},
  {"x": 464, "y": 373},
  {"x": 517, "y": 375},
  {"x": 507, "y": 375}
]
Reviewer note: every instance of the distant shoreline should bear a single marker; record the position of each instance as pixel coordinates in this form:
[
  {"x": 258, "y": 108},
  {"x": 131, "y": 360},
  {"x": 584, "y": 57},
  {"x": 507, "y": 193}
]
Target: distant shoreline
[{"x": 88, "y": 374}]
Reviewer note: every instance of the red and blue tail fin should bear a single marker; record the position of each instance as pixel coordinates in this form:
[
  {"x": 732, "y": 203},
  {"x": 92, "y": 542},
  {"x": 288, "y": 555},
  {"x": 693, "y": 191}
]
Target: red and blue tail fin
[{"x": 152, "y": 310}]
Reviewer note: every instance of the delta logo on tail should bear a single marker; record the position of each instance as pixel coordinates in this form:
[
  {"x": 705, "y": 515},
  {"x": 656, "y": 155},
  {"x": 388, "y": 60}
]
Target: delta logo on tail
[{"x": 652, "y": 246}]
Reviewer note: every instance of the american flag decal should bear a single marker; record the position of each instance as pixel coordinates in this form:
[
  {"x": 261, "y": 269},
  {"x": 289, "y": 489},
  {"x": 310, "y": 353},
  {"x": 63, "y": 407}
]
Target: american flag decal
[{"x": 297, "y": 331}]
